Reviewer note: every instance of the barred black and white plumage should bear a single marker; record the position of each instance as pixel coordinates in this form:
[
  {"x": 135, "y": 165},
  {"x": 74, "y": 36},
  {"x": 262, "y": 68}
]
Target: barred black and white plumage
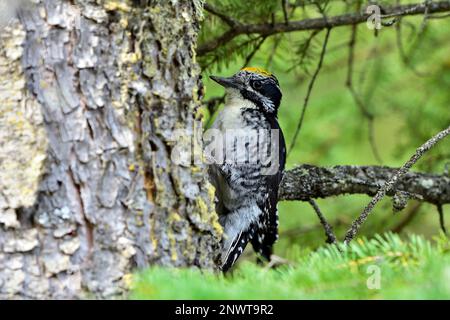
[{"x": 247, "y": 190}]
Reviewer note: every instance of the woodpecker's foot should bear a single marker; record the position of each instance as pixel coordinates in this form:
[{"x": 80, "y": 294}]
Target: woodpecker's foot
[{"x": 276, "y": 261}]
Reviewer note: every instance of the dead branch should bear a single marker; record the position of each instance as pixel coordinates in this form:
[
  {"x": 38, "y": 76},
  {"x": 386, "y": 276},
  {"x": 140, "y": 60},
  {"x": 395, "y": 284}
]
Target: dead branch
[
  {"x": 390, "y": 184},
  {"x": 311, "y": 182}
]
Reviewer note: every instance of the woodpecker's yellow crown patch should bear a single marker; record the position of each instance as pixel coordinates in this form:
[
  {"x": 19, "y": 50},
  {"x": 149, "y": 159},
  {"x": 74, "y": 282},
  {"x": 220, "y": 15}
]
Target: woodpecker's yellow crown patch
[{"x": 258, "y": 71}]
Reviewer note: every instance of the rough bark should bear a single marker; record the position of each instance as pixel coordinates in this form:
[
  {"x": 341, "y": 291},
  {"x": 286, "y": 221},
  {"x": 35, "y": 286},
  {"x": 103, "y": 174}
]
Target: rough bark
[
  {"x": 113, "y": 79},
  {"x": 309, "y": 182}
]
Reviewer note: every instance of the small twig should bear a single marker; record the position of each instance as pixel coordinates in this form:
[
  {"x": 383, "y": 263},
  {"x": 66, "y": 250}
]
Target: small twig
[
  {"x": 356, "y": 225},
  {"x": 304, "y": 49},
  {"x": 406, "y": 58},
  {"x": 255, "y": 49},
  {"x": 426, "y": 15},
  {"x": 441, "y": 218},
  {"x": 310, "y": 87},
  {"x": 373, "y": 68},
  {"x": 276, "y": 43},
  {"x": 419, "y": 38},
  {"x": 228, "y": 20},
  {"x": 372, "y": 142},
  {"x": 285, "y": 14},
  {"x": 236, "y": 48},
  {"x": 331, "y": 238},
  {"x": 439, "y": 16},
  {"x": 409, "y": 216},
  {"x": 359, "y": 102}
]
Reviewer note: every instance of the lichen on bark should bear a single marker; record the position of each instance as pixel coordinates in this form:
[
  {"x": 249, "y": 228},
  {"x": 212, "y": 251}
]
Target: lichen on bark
[{"x": 22, "y": 155}]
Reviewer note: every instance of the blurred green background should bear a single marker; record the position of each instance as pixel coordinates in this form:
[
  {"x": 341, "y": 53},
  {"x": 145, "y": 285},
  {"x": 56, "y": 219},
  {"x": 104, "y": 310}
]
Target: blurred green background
[
  {"x": 408, "y": 110},
  {"x": 410, "y": 103}
]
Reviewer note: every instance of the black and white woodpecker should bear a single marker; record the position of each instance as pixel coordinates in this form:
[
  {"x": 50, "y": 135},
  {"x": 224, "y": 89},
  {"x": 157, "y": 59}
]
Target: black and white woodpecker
[{"x": 248, "y": 178}]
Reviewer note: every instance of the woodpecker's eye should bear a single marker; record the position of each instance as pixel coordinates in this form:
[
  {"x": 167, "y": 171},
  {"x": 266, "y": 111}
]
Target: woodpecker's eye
[{"x": 257, "y": 84}]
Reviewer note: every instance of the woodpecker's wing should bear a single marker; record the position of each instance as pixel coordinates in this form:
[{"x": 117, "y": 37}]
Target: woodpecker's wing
[{"x": 267, "y": 232}]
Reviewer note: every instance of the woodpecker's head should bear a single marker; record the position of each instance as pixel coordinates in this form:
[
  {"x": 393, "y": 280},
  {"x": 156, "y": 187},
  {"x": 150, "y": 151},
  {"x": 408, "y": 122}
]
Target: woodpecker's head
[{"x": 256, "y": 85}]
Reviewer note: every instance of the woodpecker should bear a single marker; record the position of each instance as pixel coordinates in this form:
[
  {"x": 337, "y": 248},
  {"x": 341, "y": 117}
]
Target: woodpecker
[{"x": 248, "y": 178}]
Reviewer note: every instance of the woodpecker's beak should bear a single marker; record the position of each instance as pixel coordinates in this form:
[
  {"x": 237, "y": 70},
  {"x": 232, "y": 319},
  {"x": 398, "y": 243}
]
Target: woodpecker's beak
[{"x": 229, "y": 82}]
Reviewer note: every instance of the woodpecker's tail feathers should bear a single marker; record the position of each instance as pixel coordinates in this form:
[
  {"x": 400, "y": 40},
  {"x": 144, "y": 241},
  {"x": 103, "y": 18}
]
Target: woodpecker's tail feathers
[{"x": 239, "y": 228}]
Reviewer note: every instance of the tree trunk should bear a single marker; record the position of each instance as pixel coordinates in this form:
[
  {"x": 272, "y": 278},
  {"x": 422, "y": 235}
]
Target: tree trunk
[{"x": 111, "y": 81}]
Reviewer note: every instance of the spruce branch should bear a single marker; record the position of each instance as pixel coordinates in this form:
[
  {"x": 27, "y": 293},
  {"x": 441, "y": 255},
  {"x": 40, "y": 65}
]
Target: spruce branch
[{"x": 268, "y": 29}]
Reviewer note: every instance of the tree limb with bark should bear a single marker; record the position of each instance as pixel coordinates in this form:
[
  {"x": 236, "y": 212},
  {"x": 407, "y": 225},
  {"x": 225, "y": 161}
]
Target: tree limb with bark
[{"x": 312, "y": 182}]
